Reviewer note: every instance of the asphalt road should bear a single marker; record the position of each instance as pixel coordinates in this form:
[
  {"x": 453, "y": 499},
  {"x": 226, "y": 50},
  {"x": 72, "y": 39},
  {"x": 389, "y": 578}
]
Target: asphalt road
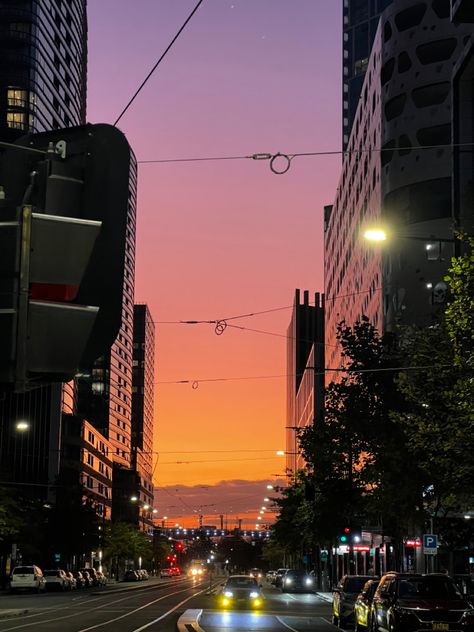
[{"x": 156, "y": 606}]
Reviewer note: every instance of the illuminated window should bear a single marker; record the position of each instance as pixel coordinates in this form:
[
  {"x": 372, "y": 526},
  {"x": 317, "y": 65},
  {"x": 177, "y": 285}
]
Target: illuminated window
[{"x": 16, "y": 120}]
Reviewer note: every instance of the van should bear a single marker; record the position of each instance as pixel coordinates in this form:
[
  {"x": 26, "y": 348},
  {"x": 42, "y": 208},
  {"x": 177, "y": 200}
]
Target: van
[{"x": 27, "y": 578}]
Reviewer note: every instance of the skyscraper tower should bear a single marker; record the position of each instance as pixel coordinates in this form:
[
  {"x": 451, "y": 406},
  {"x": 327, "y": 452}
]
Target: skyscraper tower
[
  {"x": 360, "y": 21},
  {"x": 43, "y": 73},
  {"x": 43, "y": 46}
]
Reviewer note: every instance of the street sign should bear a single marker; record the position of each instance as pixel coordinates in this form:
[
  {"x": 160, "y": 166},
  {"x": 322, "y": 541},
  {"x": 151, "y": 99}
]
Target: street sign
[{"x": 430, "y": 544}]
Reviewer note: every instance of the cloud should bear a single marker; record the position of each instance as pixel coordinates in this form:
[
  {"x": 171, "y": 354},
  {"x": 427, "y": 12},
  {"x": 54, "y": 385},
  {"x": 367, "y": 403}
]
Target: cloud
[{"x": 233, "y": 499}]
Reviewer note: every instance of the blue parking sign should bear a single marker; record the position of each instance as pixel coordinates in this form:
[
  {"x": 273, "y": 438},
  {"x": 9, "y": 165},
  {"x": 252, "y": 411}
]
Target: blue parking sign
[{"x": 430, "y": 544}]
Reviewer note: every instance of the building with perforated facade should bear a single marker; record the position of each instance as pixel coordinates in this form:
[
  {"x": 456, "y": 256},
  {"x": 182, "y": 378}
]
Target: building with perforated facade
[{"x": 397, "y": 172}]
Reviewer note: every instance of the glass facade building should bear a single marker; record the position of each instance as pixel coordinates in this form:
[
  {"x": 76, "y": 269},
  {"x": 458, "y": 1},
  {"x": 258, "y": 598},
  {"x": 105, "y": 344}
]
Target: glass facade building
[
  {"x": 305, "y": 370},
  {"x": 43, "y": 47},
  {"x": 360, "y": 21}
]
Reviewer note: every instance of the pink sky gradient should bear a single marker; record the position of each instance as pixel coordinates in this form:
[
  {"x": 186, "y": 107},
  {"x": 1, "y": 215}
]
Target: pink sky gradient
[{"x": 218, "y": 239}]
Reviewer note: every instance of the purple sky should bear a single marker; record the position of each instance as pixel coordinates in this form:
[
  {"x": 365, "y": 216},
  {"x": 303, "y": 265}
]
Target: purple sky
[{"x": 219, "y": 239}]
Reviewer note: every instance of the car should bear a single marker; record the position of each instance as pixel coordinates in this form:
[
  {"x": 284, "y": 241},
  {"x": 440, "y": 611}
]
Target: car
[
  {"x": 56, "y": 579},
  {"x": 80, "y": 579},
  {"x": 92, "y": 573},
  {"x": 411, "y": 602},
  {"x": 344, "y": 597},
  {"x": 131, "y": 576},
  {"x": 256, "y": 572},
  {"x": 86, "y": 577},
  {"x": 72, "y": 580},
  {"x": 101, "y": 578},
  {"x": 270, "y": 576},
  {"x": 278, "y": 577},
  {"x": 175, "y": 570},
  {"x": 363, "y": 606},
  {"x": 297, "y": 581},
  {"x": 27, "y": 578},
  {"x": 166, "y": 572},
  {"x": 144, "y": 573},
  {"x": 240, "y": 590}
]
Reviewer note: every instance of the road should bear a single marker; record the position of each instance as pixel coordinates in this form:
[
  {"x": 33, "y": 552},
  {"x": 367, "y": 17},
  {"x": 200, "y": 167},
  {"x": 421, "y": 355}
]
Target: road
[{"x": 156, "y": 606}]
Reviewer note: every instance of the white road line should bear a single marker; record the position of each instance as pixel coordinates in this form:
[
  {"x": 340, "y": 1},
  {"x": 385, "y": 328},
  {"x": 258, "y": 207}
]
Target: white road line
[
  {"x": 327, "y": 621},
  {"x": 285, "y": 624},
  {"x": 163, "y": 616},
  {"x": 128, "y": 614},
  {"x": 77, "y": 614}
]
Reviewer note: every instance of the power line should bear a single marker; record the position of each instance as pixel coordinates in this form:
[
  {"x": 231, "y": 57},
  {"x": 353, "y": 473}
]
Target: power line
[
  {"x": 158, "y": 62},
  {"x": 288, "y": 157}
]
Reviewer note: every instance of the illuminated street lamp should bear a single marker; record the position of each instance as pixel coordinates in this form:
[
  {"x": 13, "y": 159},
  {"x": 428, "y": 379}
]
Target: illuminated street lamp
[
  {"x": 134, "y": 499},
  {"x": 266, "y": 500},
  {"x": 269, "y": 486},
  {"x": 280, "y": 452},
  {"x": 22, "y": 426}
]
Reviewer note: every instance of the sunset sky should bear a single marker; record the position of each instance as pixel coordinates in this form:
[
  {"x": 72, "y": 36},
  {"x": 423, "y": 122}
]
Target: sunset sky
[{"x": 225, "y": 238}]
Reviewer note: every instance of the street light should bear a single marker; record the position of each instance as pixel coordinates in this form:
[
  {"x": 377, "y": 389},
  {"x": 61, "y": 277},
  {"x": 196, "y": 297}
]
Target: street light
[
  {"x": 22, "y": 426},
  {"x": 270, "y": 487},
  {"x": 266, "y": 500},
  {"x": 134, "y": 499}
]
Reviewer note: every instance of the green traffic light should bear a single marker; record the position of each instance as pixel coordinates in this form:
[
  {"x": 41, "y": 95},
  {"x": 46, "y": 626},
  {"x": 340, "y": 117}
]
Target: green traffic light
[{"x": 343, "y": 538}]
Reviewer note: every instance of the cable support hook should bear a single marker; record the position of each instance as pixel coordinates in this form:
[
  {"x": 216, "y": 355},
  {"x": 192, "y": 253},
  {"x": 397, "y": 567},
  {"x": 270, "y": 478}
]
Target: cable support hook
[
  {"x": 220, "y": 327},
  {"x": 284, "y": 167}
]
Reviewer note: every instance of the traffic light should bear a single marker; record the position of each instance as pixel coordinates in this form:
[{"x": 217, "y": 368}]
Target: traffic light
[
  {"x": 344, "y": 538},
  {"x": 64, "y": 209}
]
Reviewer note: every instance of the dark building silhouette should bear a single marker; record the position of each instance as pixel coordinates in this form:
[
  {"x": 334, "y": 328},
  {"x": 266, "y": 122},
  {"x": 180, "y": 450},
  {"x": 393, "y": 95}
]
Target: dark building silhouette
[
  {"x": 360, "y": 20},
  {"x": 305, "y": 370},
  {"x": 43, "y": 71}
]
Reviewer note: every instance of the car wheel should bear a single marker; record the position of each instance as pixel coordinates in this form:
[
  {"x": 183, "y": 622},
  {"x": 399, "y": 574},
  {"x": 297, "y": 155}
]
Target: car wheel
[{"x": 335, "y": 620}]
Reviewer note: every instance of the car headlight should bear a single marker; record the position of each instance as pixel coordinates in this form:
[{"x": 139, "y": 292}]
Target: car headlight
[
  {"x": 254, "y": 595},
  {"x": 194, "y": 572},
  {"x": 229, "y": 594},
  {"x": 257, "y": 602},
  {"x": 288, "y": 580},
  {"x": 308, "y": 581},
  {"x": 225, "y": 602}
]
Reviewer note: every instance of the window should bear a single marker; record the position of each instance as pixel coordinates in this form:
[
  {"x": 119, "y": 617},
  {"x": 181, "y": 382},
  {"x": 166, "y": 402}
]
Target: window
[
  {"x": 436, "y": 135},
  {"x": 441, "y": 8},
  {"x": 387, "y": 71},
  {"x": 90, "y": 460},
  {"x": 433, "y": 94},
  {"x": 17, "y": 98},
  {"x": 16, "y": 120},
  {"x": 433, "y": 52},
  {"x": 404, "y": 62},
  {"x": 411, "y": 17},
  {"x": 91, "y": 437},
  {"x": 395, "y": 106}
]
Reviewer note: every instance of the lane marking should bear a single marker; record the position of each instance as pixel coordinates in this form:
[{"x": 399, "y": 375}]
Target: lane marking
[
  {"x": 77, "y": 614},
  {"x": 163, "y": 616},
  {"x": 128, "y": 614},
  {"x": 285, "y": 624}
]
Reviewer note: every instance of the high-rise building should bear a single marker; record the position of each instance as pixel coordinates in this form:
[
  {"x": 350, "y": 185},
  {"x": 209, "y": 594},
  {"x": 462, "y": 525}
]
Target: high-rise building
[
  {"x": 105, "y": 396},
  {"x": 305, "y": 370},
  {"x": 142, "y": 407},
  {"x": 43, "y": 48},
  {"x": 360, "y": 20},
  {"x": 405, "y": 109}
]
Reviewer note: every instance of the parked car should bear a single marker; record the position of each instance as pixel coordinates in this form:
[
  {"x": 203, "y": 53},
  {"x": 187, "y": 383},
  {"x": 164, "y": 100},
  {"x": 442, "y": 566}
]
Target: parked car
[
  {"x": 56, "y": 579},
  {"x": 279, "y": 575},
  {"x": 101, "y": 578},
  {"x": 166, "y": 572},
  {"x": 94, "y": 580},
  {"x": 144, "y": 573},
  {"x": 27, "y": 578},
  {"x": 240, "y": 590},
  {"x": 80, "y": 580},
  {"x": 412, "y": 603},
  {"x": 86, "y": 577},
  {"x": 344, "y": 597},
  {"x": 363, "y": 606},
  {"x": 297, "y": 581},
  {"x": 72, "y": 580},
  {"x": 131, "y": 576}
]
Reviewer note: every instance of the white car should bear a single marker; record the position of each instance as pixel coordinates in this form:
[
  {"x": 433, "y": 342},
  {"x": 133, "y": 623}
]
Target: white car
[
  {"x": 27, "y": 578},
  {"x": 57, "y": 580}
]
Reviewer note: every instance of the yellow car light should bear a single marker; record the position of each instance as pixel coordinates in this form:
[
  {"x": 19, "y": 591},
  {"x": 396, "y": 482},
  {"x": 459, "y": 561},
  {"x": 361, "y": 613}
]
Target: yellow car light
[
  {"x": 225, "y": 601},
  {"x": 257, "y": 602}
]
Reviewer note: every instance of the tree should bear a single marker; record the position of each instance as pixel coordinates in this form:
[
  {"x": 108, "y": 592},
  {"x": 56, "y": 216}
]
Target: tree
[{"x": 125, "y": 542}]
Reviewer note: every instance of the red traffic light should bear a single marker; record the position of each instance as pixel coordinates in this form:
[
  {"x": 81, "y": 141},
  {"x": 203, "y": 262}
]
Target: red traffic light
[{"x": 346, "y": 530}]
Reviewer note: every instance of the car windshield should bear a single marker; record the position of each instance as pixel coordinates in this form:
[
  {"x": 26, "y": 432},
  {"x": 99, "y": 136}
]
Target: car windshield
[
  {"x": 296, "y": 573},
  {"x": 23, "y": 570},
  {"x": 428, "y": 587},
  {"x": 354, "y": 584},
  {"x": 241, "y": 582}
]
